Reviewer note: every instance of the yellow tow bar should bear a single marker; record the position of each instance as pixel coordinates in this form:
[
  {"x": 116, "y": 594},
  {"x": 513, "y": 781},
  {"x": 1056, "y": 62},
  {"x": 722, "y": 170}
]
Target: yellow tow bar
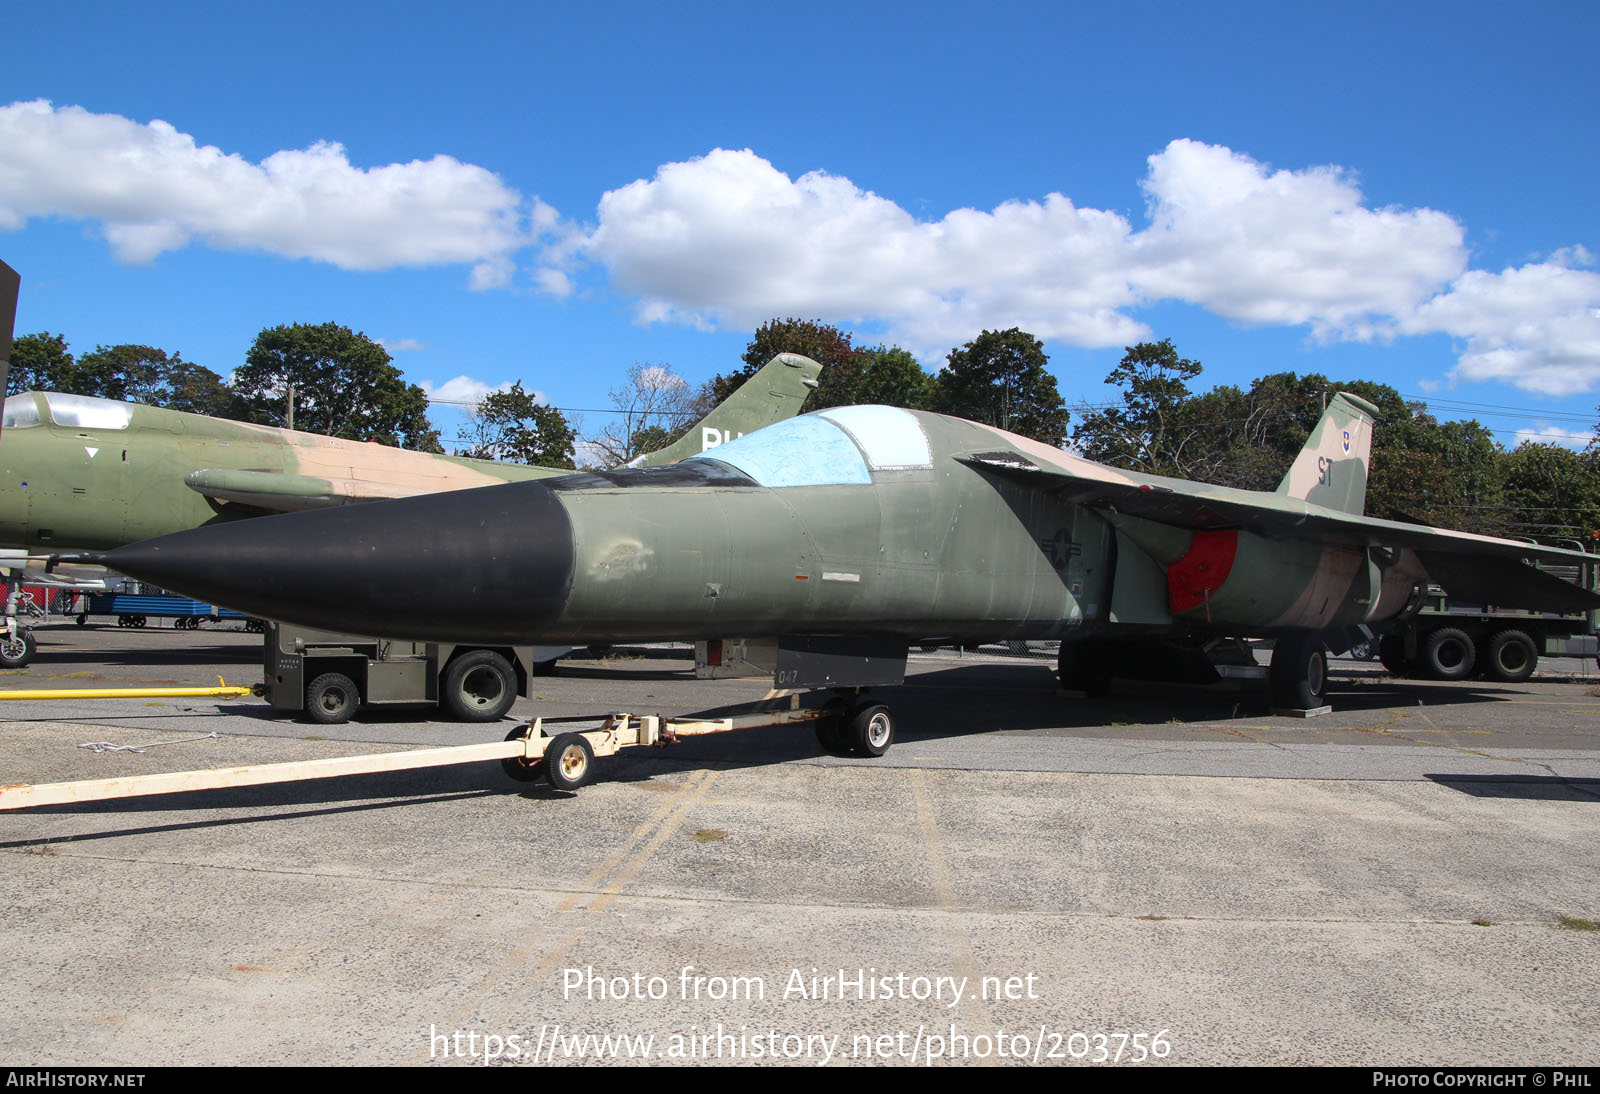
[{"x": 222, "y": 691}]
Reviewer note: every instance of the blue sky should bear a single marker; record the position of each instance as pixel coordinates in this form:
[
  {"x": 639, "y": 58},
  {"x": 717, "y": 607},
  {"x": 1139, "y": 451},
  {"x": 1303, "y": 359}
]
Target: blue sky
[{"x": 551, "y": 193}]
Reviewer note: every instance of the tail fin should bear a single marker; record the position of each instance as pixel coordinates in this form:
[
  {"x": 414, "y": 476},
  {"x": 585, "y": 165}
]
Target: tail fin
[
  {"x": 1331, "y": 469},
  {"x": 775, "y": 392},
  {"x": 10, "y": 284}
]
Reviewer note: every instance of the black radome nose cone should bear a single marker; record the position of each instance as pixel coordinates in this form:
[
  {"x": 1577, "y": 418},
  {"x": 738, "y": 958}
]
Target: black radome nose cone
[{"x": 489, "y": 565}]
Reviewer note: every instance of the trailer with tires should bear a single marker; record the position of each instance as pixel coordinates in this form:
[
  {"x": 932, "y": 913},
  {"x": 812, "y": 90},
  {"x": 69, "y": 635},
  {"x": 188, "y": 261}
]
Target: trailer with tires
[
  {"x": 331, "y": 676},
  {"x": 567, "y": 760},
  {"x": 1448, "y": 639},
  {"x": 137, "y": 609}
]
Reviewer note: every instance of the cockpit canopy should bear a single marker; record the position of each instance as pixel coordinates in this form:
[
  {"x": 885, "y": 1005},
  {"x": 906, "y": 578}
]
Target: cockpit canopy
[
  {"x": 67, "y": 411},
  {"x": 837, "y": 447}
]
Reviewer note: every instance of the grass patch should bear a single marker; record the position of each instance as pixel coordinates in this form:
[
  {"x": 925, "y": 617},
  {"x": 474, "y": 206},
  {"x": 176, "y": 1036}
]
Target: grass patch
[
  {"x": 710, "y": 835},
  {"x": 1483, "y": 923},
  {"x": 1573, "y": 923}
]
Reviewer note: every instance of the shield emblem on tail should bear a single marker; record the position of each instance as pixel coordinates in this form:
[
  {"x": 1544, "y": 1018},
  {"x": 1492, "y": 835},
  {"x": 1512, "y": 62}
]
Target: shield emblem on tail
[{"x": 1347, "y": 442}]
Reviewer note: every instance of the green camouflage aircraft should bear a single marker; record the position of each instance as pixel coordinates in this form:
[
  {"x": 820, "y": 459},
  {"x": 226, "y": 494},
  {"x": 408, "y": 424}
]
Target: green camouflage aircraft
[
  {"x": 83, "y": 472},
  {"x": 848, "y": 534}
]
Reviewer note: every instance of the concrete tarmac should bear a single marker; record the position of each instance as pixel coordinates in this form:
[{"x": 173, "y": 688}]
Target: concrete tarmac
[{"x": 1173, "y": 874}]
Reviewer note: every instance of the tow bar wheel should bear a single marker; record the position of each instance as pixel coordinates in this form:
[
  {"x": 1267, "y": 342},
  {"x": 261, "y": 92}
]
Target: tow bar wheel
[
  {"x": 569, "y": 761},
  {"x": 521, "y": 768}
]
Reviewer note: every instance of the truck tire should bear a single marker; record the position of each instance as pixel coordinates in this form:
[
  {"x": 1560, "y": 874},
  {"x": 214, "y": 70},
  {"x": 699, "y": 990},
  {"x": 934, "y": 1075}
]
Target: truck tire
[
  {"x": 1510, "y": 657},
  {"x": 1392, "y": 652},
  {"x": 332, "y": 699},
  {"x": 1448, "y": 654},
  {"x": 1298, "y": 675},
  {"x": 478, "y": 686}
]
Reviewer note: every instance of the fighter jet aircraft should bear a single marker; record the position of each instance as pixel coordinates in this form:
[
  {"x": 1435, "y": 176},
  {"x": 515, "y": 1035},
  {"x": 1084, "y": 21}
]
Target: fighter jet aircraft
[
  {"x": 850, "y": 533},
  {"x": 83, "y": 472},
  {"x": 77, "y": 471}
]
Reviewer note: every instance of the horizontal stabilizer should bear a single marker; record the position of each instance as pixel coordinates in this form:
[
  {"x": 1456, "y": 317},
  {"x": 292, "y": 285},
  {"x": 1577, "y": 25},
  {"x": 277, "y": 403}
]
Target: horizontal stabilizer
[{"x": 1495, "y": 581}]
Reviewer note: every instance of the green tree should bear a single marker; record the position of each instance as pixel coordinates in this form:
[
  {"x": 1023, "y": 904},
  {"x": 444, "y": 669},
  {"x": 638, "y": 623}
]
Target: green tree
[
  {"x": 823, "y": 343},
  {"x": 513, "y": 427},
  {"x": 145, "y": 374},
  {"x": 1551, "y": 492},
  {"x": 891, "y": 376},
  {"x": 41, "y": 362},
  {"x": 343, "y": 386},
  {"x": 1000, "y": 378},
  {"x": 1155, "y": 426}
]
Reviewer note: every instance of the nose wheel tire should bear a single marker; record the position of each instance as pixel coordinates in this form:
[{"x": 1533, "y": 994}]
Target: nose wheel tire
[
  {"x": 15, "y": 652},
  {"x": 871, "y": 730}
]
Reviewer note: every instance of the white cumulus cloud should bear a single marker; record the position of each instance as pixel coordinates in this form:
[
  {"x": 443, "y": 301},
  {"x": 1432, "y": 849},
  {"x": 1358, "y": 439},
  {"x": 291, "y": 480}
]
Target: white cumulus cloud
[
  {"x": 154, "y": 189},
  {"x": 1286, "y": 247},
  {"x": 1535, "y": 326},
  {"x": 1542, "y": 433},
  {"x": 464, "y": 391},
  {"x": 728, "y": 240}
]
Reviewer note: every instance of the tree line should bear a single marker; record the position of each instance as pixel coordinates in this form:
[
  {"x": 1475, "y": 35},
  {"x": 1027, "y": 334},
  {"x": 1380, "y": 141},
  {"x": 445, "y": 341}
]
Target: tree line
[
  {"x": 327, "y": 378},
  {"x": 1448, "y": 473}
]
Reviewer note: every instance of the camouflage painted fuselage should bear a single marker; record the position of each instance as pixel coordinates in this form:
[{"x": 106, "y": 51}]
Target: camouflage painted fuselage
[
  {"x": 91, "y": 473},
  {"x": 857, "y": 520},
  {"x": 87, "y": 473}
]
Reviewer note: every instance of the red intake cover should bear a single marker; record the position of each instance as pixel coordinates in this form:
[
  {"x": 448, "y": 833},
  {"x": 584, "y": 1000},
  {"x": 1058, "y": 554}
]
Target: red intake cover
[{"x": 1202, "y": 571}]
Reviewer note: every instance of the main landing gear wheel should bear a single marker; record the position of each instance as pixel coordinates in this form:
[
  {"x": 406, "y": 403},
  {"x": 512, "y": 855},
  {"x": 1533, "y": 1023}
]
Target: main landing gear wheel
[
  {"x": 870, "y": 731},
  {"x": 479, "y": 686},
  {"x": 17, "y": 651},
  {"x": 1298, "y": 675},
  {"x": 569, "y": 761},
  {"x": 1392, "y": 652},
  {"x": 521, "y": 768},
  {"x": 331, "y": 699},
  {"x": 1084, "y": 666},
  {"x": 830, "y": 734}
]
